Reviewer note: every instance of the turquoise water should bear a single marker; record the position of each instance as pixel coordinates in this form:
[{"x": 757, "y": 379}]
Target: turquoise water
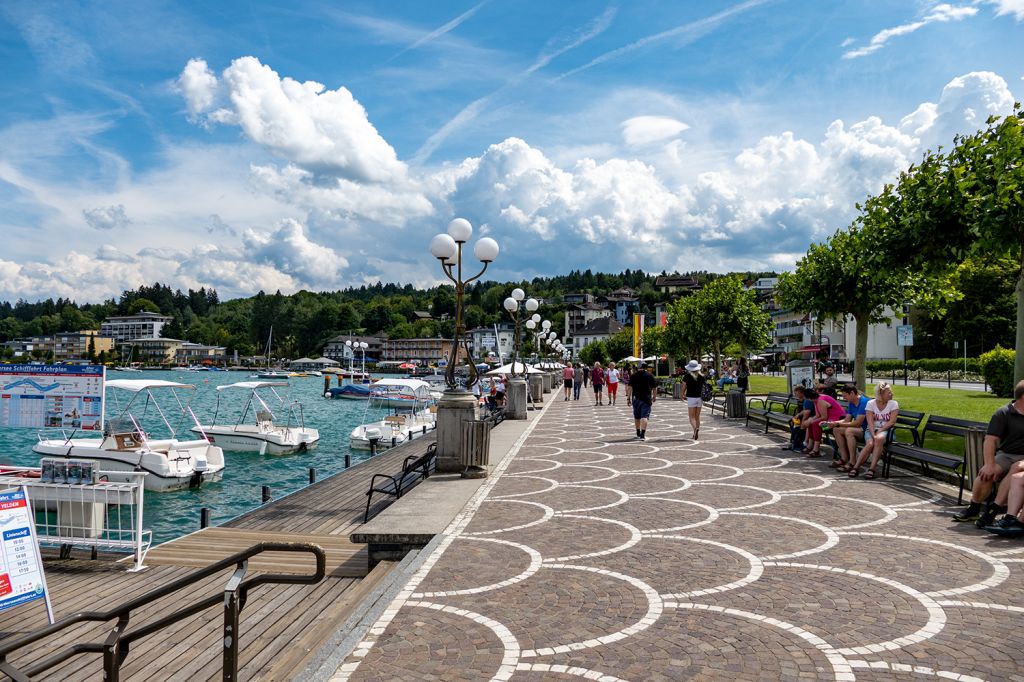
[{"x": 173, "y": 514}]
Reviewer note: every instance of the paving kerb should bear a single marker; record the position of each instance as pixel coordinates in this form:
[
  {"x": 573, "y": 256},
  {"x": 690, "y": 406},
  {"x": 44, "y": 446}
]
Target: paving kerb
[{"x": 593, "y": 555}]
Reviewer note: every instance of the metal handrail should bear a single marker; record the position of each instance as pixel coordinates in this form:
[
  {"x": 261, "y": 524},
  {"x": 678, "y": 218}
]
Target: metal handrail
[{"x": 116, "y": 645}]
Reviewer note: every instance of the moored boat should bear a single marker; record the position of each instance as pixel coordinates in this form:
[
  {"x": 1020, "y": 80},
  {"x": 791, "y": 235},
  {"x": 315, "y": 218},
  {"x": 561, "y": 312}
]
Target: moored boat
[{"x": 264, "y": 435}]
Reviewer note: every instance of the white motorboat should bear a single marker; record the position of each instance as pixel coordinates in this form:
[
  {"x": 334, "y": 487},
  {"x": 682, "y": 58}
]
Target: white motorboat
[
  {"x": 410, "y": 394},
  {"x": 263, "y": 436},
  {"x": 393, "y": 430},
  {"x": 171, "y": 464}
]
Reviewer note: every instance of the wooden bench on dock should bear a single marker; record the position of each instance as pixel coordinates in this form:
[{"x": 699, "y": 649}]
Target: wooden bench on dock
[
  {"x": 415, "y": 468},
  {"x": 928, "y": 456}
]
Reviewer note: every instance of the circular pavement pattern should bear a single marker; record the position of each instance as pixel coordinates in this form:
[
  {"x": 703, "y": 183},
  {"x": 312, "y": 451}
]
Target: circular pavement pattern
[{"x": 590, "y": 555}]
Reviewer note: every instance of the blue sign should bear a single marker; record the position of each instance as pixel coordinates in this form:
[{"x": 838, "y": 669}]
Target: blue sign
[{"x": 52, "y": 396}]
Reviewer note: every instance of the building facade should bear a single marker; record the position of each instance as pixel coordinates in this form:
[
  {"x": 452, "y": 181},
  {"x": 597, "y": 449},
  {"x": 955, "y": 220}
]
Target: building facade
[
  {"x": 336, "y": 348},
  {"x": 124, "y": 328},
  {"x": 484, "y": 341},
  {"x": 596, "y": 330},
  {"x": 156, "y": 351},
  {"x": 579, "y": 316},
  {"x": 424, "y": 351},
  {"x": 198, "y": 354}
]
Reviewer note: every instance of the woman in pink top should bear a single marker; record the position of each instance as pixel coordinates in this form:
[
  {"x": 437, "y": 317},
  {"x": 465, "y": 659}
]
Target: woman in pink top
[
  {"x": 826, "y": 408},
  {"x": 567, "y": 376}
]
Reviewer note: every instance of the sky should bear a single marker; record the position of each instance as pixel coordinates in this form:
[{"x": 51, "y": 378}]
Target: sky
[{"x": 320, "y": 144}]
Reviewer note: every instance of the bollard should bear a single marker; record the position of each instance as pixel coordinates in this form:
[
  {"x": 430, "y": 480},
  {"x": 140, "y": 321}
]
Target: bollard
[
  {"x": 204, "y": 517},
  {"x": 312, "y": 475},
  {"x": 424, "y": 429},
  {"x": 919, "y": 378},
  {"x": 948, "y": 383},
  {"x": 348, "y": 461},
  {"x": 394, "y": 441},
  {"x": 373, "y": 446},
  {"x": 266, "y": 494}
]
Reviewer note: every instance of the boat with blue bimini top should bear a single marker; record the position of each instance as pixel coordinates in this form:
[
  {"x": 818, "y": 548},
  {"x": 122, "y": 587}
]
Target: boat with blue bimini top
[
  {"x": 127, "y": 446},
  {"x": 265, "y": 436}
]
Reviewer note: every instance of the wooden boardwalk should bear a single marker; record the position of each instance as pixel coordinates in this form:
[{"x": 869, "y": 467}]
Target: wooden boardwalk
[{"x": 282, "y": 626}]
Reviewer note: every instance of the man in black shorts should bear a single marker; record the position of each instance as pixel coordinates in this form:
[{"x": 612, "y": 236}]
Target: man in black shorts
[
  {"x": 644, "y": 387},
  {"x": 1004, "y": 447}
]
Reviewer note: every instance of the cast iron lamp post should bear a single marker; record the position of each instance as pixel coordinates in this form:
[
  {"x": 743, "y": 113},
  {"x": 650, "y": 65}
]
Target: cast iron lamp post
[
  {"x": 457, "y": 403},
  {"x": 517, "y": 390}
]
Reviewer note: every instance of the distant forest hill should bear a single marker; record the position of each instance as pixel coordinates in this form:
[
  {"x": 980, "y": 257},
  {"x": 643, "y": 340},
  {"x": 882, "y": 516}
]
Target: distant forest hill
[{"x": 305, "y": 320}]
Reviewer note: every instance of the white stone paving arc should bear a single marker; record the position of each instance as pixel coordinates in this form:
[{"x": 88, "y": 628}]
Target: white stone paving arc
[
  {"x": 548, "y": 514},
  {"x": 536, "y": 562}
]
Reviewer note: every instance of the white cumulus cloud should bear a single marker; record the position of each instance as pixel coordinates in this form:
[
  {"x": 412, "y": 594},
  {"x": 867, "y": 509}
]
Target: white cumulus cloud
[
  {"x": 106, "y": 217},
  {"x": 1011, "y": 7}
]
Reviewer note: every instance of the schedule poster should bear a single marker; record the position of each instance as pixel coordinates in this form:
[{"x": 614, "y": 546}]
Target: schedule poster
[
  {"x": 52, "y": 396},
  {"x": 21, "y": 567}
]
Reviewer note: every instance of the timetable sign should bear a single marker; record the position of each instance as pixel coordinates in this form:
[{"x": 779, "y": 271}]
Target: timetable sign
[
  {"x": 21, "y": 567},
  {"x": 52, "y": 396}
]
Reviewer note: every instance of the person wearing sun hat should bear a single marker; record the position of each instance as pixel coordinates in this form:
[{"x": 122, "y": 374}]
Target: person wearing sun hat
[{"x": 694, "y": 381}]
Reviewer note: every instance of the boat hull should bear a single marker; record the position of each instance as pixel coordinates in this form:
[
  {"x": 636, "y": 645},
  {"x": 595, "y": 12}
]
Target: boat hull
[
  {"x": 231, "y": 439},
  {"x": 186, "y": 465}
]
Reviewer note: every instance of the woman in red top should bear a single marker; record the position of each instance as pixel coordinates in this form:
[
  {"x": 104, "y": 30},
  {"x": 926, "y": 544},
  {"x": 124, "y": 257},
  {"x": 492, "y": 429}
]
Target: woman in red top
[
  {"x": 567, "y": 375},
  {"x": 597, "y": 380},
  {"x": 826, "y": 409}
]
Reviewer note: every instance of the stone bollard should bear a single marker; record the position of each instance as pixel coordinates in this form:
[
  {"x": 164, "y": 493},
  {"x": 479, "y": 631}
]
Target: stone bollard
[
  {"x": 537, "y": 388},
  {"x": 454, "y": 408},
  {"x": 515, "y": 406}
]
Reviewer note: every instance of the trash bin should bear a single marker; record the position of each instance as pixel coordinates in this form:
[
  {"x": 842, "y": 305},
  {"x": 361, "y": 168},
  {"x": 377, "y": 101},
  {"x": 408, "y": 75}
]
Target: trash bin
[
  {"x": 475, "y": 453},
  {"x": 537, "y": 388},
  {"x": 736, "y": 404},
  {"x": 677, "y": 391}
]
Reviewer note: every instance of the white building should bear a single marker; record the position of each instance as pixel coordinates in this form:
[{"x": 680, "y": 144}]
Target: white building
[
  {"x": 123, "y": 328},
  {"x": 596, "y": 330},
  {"x": 484, "y": 340}
]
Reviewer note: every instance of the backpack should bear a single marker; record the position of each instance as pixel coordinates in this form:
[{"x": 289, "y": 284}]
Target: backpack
[{"x": 705, "y": 391}]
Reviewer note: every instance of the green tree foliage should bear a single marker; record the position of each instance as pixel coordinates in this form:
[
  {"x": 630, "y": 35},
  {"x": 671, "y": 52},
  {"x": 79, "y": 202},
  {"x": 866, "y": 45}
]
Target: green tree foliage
[
  {"x": 721, "y": 313},
  {"x": 142, "y": 305},
  {"x": 834, "y": 279},
  {"x": 619, "y": 345},
  {"x": 593, "y": 352}
]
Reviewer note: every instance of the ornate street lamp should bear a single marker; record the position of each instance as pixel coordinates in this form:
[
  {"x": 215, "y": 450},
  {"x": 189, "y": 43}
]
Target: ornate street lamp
[
  {"x": 447, "y": 248},
  {"x": 512, "y": 305}
]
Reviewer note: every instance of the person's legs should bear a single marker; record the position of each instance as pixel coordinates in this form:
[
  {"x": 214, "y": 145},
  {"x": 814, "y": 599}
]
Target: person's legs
[
  {"x": 839, "y": 433},
  {"x": 613, "y": 391},
  {"x": 696, "y": 422},
  {"x": 1015, "y": 499},
  {"x": 576, "y": 390},
  {"x": 814, "y": 433}
]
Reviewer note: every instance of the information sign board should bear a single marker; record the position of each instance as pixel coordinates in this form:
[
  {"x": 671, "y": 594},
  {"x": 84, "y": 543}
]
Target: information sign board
[
  {"x": 905, "y": 335},
  {"x": 52, "y": 396},
  {"x": 21, "y": 567}
]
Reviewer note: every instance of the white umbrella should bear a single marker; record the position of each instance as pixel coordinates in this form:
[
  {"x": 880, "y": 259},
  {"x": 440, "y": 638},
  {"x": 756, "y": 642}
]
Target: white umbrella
[
  {"x": 651, "y": 359},
  {"x": 550, "y": 365},
  {"x": 631, "y": 358},
  {"x": 507, "y": 369}
]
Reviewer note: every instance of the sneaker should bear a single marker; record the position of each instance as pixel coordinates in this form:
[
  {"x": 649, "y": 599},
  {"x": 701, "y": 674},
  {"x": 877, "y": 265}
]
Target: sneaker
[
  {"x": 989, "y": 514},
  {"x": 971, "y": 513},
  {"x": 643, "y": 437},
  {"x": 1009, "y": 527}
]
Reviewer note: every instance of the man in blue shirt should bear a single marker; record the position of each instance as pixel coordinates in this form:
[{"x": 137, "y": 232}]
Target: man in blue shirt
[{"x": 851, "y": 429}]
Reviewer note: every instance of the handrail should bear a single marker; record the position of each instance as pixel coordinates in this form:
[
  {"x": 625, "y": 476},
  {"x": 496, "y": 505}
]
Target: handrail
[{"x": 116, "y": 645}]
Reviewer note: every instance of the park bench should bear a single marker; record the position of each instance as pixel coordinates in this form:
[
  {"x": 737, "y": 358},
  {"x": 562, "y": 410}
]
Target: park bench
[
  {"x": 717, "y": 402},
  {"x": 770, "y": 417},
  {"x": 918, "y": 452},
  {"x": 415, "y": 468}
]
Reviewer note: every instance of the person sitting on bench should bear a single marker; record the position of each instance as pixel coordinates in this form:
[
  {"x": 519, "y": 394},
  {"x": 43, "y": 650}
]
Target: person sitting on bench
[
  {"x": 882, "y": 413},
  {"x": 1004, "y": 447},
  {"x": 1012, "y": 524},
  {"x": 797, "y": 433},
  {"x": 851, "y": 429}
]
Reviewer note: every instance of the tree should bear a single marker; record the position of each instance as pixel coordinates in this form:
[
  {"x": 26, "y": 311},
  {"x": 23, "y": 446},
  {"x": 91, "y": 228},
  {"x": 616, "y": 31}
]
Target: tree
[
  {"x": 721, "y": 313},
  {"x": 619, "y": 345},
  {"x": 593, "y": 352},
  {"x": 142, "y": 305},
  {"x": 834, "y": 280},
  {"x": 968, "y": 202}
]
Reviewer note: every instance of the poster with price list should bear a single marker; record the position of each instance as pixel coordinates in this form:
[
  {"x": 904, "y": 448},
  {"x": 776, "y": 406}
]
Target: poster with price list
[
  {"x": 21, "y": 566},
  {"x": 52, "y": 396}
]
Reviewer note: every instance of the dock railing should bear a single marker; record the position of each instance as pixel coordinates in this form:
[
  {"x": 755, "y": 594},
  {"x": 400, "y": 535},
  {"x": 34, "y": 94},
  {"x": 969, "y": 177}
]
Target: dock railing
[
  {"x": 100, "y": 516},
  {"x": 117, "y": 643}
]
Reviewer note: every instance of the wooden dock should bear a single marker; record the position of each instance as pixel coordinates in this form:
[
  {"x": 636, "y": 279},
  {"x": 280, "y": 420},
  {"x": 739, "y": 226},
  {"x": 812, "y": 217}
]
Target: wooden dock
[{"x": 282, "y": 626}]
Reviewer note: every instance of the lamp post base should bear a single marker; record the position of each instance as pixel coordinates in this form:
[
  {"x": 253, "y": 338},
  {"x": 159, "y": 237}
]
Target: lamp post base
[
  {"x": 516, "y": 396},
  {"x": 453, "y": 408},
  {"x": 474, "y": 472}
]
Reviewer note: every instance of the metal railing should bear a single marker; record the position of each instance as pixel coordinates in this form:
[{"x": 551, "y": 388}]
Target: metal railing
[{"x": 117, "y": 644}]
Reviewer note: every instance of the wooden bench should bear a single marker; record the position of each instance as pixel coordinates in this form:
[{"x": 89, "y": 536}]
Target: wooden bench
[
  {"x": 778, "y": 418},
  {"x": 415, "y": 468},
  {"x": 916, "y": 451}
]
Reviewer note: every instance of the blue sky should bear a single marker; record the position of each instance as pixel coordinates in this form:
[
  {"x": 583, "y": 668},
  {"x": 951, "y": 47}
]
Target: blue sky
[{"x": 250, "y": 145}]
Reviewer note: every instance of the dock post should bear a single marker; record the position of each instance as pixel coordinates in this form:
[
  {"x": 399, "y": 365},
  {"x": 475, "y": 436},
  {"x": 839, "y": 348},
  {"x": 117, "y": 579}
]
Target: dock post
[
  {"x": 266, "y": 494},
  {"x": 312, "y": 475},
  {"x": 348, "y": 461},
  {"x": 204, "y": 517}
]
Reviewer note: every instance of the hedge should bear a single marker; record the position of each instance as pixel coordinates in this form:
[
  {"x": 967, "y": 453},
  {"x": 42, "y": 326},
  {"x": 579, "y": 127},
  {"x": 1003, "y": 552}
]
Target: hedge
[{"x": 997, "y": 366}]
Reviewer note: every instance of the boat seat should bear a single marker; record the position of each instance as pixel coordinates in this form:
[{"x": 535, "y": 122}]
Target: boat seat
[{"x": 395, "y": 419}]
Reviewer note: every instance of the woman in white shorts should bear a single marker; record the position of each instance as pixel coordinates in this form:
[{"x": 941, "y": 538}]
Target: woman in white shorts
[
  {"x": 694, "y": 381},
  {"x": 881, "y": 415}
]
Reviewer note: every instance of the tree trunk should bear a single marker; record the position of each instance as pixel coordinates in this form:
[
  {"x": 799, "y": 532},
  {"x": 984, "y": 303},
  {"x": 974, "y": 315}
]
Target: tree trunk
[
  {"x": 1018, "y": 363},
  {"x": 861, "y": 351}
]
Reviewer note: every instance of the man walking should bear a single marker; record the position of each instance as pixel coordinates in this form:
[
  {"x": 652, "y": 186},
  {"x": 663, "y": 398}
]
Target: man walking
[
  {"x": 644, "y": 387},
  {"x": 577, "y": 380}
]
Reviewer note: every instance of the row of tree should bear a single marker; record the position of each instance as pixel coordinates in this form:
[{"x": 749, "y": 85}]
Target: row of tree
[{"x": 951, "y": 224}]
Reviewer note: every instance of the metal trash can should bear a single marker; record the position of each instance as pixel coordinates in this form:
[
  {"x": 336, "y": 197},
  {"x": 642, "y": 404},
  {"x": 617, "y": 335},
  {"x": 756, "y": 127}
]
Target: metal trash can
[
  {"x": 476, "y": 443},
  {"x": 677, "y": 390},
  {"x": 536, "y": 388},
  {"x": 736, "y": 404}
]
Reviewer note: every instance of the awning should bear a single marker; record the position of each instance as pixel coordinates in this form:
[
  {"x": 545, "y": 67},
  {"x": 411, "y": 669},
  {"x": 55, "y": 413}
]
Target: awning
[{"x": 812, "y": 349}]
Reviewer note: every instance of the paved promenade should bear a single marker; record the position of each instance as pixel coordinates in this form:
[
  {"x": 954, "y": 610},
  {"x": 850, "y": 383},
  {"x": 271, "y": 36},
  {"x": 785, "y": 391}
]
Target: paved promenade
[{"x": 590, "y": 555}]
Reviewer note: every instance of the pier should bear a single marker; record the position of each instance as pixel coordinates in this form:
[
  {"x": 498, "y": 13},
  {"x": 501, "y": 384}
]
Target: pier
[{"x": 281, "y": 625}]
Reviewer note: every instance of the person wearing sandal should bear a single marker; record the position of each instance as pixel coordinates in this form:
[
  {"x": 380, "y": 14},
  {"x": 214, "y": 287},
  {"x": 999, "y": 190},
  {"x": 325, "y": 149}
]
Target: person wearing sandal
[
  {"x": 826, "y": 409},
  {"x": 881, "y": 415},
  {"x": 851, "y": 429}
]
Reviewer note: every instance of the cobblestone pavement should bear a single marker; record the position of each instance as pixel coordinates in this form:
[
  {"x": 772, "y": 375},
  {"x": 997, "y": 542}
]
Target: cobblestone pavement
[{"x": 591, "y": 555}]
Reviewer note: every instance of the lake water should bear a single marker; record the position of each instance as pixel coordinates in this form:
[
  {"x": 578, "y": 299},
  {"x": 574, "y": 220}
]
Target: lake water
[{"x": 173, "y": 514}]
